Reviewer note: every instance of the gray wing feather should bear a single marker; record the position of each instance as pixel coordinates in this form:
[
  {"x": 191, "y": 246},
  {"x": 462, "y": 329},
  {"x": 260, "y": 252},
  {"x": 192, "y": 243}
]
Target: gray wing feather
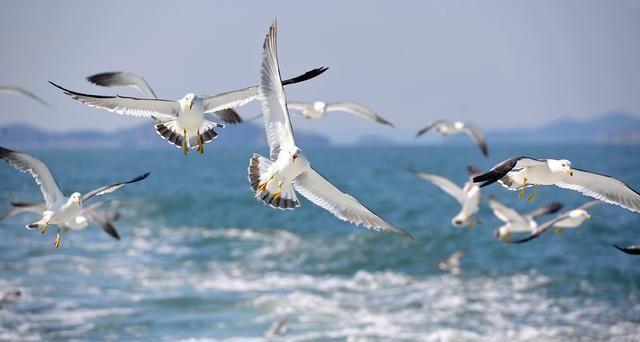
[
  {"x": 602, "y": 187},
  {"x": 320, "y": 191},
  {"x": 111, "y": 188},
  {"x": 123, "y": 79},
  {"x": 359, "y": 110},
  {"x": 23, "y": 92},
  {"x": 431, "y": 125},
  {"x": 38, "y": 170}
]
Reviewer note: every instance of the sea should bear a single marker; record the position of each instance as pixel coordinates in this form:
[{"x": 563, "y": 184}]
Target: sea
[{"x": 201, "y": 260}]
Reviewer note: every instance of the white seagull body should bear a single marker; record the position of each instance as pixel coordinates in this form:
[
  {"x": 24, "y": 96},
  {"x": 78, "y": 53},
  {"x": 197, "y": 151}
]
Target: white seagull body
[
  {"x": 276, "y": 180},
  {"x": 181, "y": 122},
  {"x": 318, "y": 109},
  {"x": 59, "y": 209},
  {"x": 446, "y": 128},
  {"x": 570, "y": 219},
  {"x": 469, "y": 196},
  {"x": 516, "y": 222},
  {"x": 521, "y": 172}
]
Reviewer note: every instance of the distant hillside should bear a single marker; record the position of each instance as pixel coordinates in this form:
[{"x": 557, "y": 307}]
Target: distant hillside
[
  {"x": 22, "y": 136},
  {"x": 607, "y": 128}
]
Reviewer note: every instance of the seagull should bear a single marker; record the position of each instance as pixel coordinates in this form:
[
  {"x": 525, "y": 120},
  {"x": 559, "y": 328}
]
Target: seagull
[
  {"x": 181, "y": 122},
  {"x": 469, "y": 196},
  {"x": 90, "y": 214},
  {"x": 126, "y": 79},
  {"x": 23, "y": 92},
  {"x": 9, "y": 297},
  {"x": 278, "y": 328},
  {"x": 276, "y": 180},
  {"x": 520, "y": 172},
  {"x": 318, "y": 109},
  {"x": 570, "y": 219},
  {"x": 452, "y": 264},
  {"x": 445, "y": 128},
  {"x": 514, "y": 221},
  {"x": 632, "y": 250},
  {"x": 59, "y": 209}
]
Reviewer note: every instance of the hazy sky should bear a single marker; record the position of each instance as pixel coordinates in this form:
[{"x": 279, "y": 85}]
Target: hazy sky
[{"x": 499, "y": 64}]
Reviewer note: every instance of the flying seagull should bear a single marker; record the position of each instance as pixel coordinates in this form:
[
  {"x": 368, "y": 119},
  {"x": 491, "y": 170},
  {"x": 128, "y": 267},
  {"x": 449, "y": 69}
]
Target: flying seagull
[
  {"x": 60, "y": 209},
  {"x": 88, "y": 215},
  {"x": 445, "y": 128},
  {"x": 514, "y": 222},
  {"x": 452, "y": 264},
  {"x": 23, "y": 92},
  {"x": 276, "y": 180},
  {"x": 117, "y": 79},
  {"x": 570, "y": 219},
  {"x": 181, "y": 122},
  {"x": 10, "y": 297},
  {"x": 469, "y": 196},
  {"x": 318, "y": 109},
  {"x": 521, "y": 172},
  {"x": 633, "y": 250}
]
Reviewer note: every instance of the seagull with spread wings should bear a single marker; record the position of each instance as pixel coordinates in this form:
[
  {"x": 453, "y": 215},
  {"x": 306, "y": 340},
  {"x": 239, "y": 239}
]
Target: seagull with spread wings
[
  {"x": 181, "y": 122},
  {"x": 446, "y": 128},
  {"x": 23, "y": 92},
  {"x": 514, "y": 222},
  {"x": 118, "y": 79},
  {"x": 88, "y": 215},
  {"x": 318, "y": 109},
  {"x": 570, "y": 219},
  {"x": 276, "y": 180},
  {"x": 469, "y": 196},
  {"x": 521, "y": 172},
  {"x": 59, "y": 209}
]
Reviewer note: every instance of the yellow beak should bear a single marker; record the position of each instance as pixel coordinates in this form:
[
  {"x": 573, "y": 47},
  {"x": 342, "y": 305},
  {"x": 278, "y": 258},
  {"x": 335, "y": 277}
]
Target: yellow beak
[
  {"x": 190, "y": 103},
  {"x": 588, "y": 217},
  {"x": 77, "y": 201},
  {"x": 570, "y": 172}
]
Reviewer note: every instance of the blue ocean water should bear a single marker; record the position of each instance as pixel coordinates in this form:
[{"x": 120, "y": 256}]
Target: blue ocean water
[{"x": 200, "y": 259}]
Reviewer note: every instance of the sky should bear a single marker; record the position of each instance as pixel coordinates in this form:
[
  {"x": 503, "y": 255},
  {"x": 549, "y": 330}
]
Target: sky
[{"x": 499, "y": 64}]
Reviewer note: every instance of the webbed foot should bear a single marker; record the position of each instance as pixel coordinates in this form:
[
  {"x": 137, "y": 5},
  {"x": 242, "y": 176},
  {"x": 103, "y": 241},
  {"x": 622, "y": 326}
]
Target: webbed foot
[{"x": 523, "y": 189}]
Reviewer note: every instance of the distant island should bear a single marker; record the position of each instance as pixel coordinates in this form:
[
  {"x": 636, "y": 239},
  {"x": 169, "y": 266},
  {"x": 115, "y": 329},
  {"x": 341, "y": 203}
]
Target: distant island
[
  {"x": 610, "y": 128},
  {"x": 21, "y": 136}
]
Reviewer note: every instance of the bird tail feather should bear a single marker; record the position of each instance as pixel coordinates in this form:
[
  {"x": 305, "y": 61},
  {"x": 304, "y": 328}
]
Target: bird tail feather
[
  {"x": 168, "y": 130},
  {"x": 259, "y": 174}
]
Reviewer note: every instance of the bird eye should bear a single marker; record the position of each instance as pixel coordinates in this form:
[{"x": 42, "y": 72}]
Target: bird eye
[{"x": 564, "y": 165}]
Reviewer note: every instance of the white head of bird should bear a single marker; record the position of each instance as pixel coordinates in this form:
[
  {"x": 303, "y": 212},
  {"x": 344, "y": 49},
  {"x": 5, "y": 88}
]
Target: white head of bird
[
  {"x": 458, "y": 125},
  {"x": 189, "y": 100},
  {"x": 319, "y": 106},
  {"x": 560, "y": 166},
  {"x": 503, "y": 234},
  {"x": 580, "y": 215},
  {"x": 75, "y": 198}
]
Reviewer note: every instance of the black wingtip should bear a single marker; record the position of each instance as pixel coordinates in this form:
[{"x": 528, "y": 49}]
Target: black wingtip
[
  {"x": 633, "y": 250},
  {"x": 101, "y": 78},
  {"x": 306, "y": 76},
  {"x": 139, "y": 178},
  {"x": 554, "y": 207}
]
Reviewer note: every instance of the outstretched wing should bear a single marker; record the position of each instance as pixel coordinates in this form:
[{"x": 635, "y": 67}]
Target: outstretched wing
[
  {"x": 103, "y": 219},
  {"x": 359, "y": 110},
  {"x": 320, "y": 191},
  {"x": 504, "y": 213},
  {"x": 23, "y": 92},
  {"x": 237, "y": 98},
  {"x": 444, "y": 184},
  {"x": 111, "y": 188},
  {"x": 500, "y": 170},
  {"x": 123, "y": 79},
  {"x": 149, "y": 108},
  {"x": 431, "y": 125},
  {"x": 40, "y": 172},
  {"x": 602, "y": 187},
  {"x": 24, "y": 207},
  {"x": 272, "y": 98},
  {"x": 544, "y": 227},
  {"x": 552, "y": 208},
  {"x": 478, "y": 137},
  {"x": 229, "y": 116}
]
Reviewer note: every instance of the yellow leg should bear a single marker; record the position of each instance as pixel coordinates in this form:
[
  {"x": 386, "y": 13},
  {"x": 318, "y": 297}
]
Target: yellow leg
[
  {"x": 184, "y": 143},
  {"x": 44, "y": 229},
  {"x": 534, "y": 194},
  {"x": 200, "y": 143},
  {"x": 559, "y": 230},
  {"x": 523, "y": 189},
  {"x": 56, "y": 242},
  {"x": 278, "y": 193},
  {"x": 263, "y": 186},
  {"x": 470, "y": 223}
]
